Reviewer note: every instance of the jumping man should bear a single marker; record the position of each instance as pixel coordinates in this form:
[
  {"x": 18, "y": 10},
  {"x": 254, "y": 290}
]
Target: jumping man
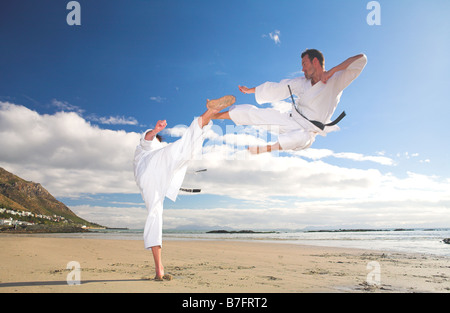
[{"x": 318, "y": 94}]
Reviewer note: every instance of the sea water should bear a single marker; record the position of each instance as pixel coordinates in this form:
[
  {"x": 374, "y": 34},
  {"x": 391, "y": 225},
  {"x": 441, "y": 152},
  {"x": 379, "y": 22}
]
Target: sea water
[
  {"x": 408, "y": 241},
  {"x": 423, "y": 241}
]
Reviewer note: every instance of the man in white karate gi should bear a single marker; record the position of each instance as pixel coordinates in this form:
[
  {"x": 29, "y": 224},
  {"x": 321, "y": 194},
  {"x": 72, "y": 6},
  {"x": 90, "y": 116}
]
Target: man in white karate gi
[
  {"x": 318, "y": 94},
  {"x": 160, "y": 169}
]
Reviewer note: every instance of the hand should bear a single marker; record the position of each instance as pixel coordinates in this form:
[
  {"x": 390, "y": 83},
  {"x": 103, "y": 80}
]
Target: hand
[
  {"x": 246, "y": 90},
  {"x": 160, "y": 125}
]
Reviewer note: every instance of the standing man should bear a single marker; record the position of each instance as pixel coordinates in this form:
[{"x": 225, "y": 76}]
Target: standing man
[
  {"x": 159, "y": 172},
  {"x": 318, "y": 92}
]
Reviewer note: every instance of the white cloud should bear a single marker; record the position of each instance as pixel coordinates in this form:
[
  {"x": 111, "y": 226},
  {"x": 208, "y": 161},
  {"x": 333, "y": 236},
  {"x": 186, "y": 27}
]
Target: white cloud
[
  {"x": 282, "y": 106},
  {"x": 114, "y": 120},
  {"x": 258, "y": 178},
  {"x": 158, "y": 99},
  {"x": 275, "y": 36},
  {"x": 176, "y": 131},
  {"x": 64, "y": 152},
  {"x": 69, "y": 156},
  {"x": 360, "y": 157},
  {"x": 326, "y": 214},
  {"x": 316, "y": 154},
  {"x": 131, "y": 217},
  {"x": 66, "y": 106}
]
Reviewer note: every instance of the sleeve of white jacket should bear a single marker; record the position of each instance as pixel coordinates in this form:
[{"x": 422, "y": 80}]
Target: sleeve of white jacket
[
  {"x": 345, "y": 77},
  {"x": 272, "y": 92},
  {"x": 148, "y": 144}
]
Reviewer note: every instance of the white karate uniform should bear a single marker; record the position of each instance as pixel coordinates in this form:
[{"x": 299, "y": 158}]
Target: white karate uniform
[
  {"x": 159, "y": 171},
  {"x": 316, "y": 102}
]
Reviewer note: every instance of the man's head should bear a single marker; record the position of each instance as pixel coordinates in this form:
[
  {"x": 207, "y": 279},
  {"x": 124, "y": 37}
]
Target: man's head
[{"x": 312, "y": 61}]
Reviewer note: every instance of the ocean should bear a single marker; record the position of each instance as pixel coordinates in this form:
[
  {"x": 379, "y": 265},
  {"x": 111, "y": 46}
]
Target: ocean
[{"x": 422, "y": 241}]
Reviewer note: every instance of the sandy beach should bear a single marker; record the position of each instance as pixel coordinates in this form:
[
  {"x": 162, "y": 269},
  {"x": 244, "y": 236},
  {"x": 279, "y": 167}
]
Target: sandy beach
[{"x": 33, "y": 264}]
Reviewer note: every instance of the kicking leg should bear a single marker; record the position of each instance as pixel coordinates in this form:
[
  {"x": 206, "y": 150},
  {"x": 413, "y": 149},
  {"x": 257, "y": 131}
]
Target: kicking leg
[
  {"x": 221, "y": 116},
  {"x": 264, "y": 149}
]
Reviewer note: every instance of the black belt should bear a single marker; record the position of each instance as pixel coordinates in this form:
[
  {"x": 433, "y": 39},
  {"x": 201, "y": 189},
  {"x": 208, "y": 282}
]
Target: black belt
[{"x": 318, "y": 124}]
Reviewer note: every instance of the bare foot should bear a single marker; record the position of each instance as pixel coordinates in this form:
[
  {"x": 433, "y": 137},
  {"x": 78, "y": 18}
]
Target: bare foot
[
  {"x": 218, "y": 105},
  {"x": 164, "y": 277}
]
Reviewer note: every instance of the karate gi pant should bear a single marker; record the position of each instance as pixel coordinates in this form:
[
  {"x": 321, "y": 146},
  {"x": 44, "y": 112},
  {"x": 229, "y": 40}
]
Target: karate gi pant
[
  {"x": 292, "y": 134},
  {"x": 162, "y": 174}
]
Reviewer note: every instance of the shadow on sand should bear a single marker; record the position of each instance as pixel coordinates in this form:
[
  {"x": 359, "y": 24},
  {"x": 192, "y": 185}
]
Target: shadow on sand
[{"x": 62, "y": 283}]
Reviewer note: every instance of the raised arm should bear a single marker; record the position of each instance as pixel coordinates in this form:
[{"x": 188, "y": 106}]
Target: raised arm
[
  {"x": 344, "y": 65},
  {"x": 160, "y": 125}
]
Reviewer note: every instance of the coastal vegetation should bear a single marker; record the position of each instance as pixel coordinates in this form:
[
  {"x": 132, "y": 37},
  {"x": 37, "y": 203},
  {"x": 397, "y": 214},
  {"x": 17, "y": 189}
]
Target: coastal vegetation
[{"x": 26, "y": 206}]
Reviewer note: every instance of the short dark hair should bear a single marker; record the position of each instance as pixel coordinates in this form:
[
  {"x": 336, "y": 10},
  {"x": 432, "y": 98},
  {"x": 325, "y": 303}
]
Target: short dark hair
[{"x": 314, "y": 53}]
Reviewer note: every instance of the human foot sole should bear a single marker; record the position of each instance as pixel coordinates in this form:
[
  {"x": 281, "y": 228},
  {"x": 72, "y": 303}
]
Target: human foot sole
[{"x": 221, "y": 103}]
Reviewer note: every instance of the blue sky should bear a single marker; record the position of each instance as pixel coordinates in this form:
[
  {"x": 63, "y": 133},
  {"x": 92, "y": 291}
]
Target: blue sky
[{"x": 84, "y": 93}]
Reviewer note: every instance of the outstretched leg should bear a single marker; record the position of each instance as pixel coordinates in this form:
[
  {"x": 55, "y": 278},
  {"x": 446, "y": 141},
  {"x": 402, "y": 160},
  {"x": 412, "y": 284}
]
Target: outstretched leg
[
  {"x": 264, "y": 149},
  {"x": 221, "y": 116}
]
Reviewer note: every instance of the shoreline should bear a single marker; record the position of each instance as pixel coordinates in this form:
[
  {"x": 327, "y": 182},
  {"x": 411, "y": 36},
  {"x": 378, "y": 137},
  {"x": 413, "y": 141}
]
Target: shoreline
[
  {"x": 412, "y": 242},
  {"x": 39, "y": 264}
]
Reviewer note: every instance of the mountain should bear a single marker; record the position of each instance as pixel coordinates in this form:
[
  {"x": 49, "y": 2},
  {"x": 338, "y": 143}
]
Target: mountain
[{"x": 21, "y": 195}]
